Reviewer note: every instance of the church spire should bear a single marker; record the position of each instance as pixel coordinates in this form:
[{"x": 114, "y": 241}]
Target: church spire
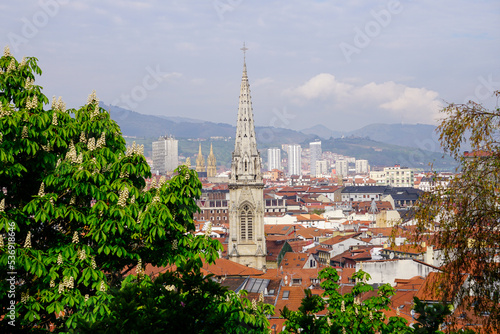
[
  {"x": 246, "y": 162},
  {"x": 211, "y": 163},
  {"x": 200, "y": 162}
]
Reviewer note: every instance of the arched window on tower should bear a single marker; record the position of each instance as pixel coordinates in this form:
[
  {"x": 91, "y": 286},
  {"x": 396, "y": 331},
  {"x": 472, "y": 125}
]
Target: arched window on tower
[{"x": 246, "y": 223}]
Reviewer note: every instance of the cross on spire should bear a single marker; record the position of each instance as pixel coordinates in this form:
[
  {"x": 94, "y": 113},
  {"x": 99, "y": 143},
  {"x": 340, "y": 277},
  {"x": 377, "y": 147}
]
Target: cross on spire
[{"x": 244, "y": 49}]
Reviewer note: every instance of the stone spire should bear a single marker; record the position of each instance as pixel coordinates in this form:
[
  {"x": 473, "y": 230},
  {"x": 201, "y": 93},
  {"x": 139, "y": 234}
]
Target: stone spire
[
  {"x": 246, "y": 161},
  {"x": 200, "y": 162},
  {"x": 211, "y": 163}
]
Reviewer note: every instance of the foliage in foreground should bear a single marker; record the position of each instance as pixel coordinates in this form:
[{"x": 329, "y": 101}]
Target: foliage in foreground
[
  {"x": 76, "y": 216},
  {"x": 465, "y": 214}
]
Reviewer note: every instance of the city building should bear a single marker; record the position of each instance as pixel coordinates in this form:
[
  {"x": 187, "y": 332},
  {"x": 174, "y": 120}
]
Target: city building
[
  {"x": 342, "y": 167},
  {"x": 362, "y": 167},
  {"x": 273, "y": 158},
  {"x": 247, "y": 242},
  {"x": 321, "y": 168},
  {"x": 399, "y": 177},
  {"x": 315, "y": 155},
  {"x": 165, "y": 155},
  {"x": 211, "y": 163},
  {"x": 294, "y": 160}
]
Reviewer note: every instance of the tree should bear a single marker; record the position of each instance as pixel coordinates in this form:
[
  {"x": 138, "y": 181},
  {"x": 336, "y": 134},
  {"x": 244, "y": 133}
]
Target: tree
[
  {"x": 345, "y": 313},
  {"x": 75, "y": 214},
  {"x": 465, "y": 215}
]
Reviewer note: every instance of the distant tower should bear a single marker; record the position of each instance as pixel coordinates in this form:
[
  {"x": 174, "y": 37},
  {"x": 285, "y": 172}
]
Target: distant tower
[
  {"x": 294, "y": 160},
  {"x": 247, "y": 243},
  {"x": 315, "y": 149},
  {"x": 165, "y": 155},
  {"x": 200, "y": 162},
  {"x": 211, "y": 163},
  {"x": 273, "y": 158}
]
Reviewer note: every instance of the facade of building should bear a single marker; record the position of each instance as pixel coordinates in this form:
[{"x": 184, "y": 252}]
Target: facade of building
[
  {"x": 362, "y": 166},
  {"x": 399, "y": 177},
  {"x": 342, "y": 167},
  {"x": 294, "y": 160},
  {"x": 165, "y": 155},
  {"x": 273, "y": 158},
  {"x": 321, "y": 168},
  {"x": 247, "y": 243},
  {"x": 315, "y": 150},
  {"x": 211, "y": 163}
]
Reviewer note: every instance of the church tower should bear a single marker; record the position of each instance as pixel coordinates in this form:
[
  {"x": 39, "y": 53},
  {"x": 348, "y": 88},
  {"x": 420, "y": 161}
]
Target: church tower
[
  {"x": 211, "y": 163},
  {"x": 247, "y": 243},
  {"x": 200, "y": 162}
]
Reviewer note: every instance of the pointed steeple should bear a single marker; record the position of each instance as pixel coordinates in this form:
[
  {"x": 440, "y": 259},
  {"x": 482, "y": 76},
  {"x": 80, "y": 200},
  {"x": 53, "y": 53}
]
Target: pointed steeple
[
  {"x": 211, "y": 163},
  {"x": 200, "y": 162},
  {"x": 246, "y": 162}
]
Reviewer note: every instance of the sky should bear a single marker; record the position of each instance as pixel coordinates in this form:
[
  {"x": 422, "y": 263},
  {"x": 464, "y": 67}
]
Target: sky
[{"x": 341, "y": 64}]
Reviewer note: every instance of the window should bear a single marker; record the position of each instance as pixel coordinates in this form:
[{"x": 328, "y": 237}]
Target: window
[
  {"x": 246, "y": 223},
  {"x": 286, "y": 294}
]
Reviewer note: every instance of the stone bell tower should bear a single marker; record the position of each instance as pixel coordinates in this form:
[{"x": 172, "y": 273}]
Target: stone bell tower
[{"x": 247, "y": 243}]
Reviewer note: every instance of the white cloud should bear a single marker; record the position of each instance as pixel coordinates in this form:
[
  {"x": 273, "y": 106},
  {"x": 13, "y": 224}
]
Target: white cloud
[{"x": 387, "y": 99}]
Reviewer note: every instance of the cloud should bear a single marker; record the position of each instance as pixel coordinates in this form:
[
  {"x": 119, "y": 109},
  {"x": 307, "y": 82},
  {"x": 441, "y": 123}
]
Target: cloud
[
  {"x": 322, "y": 86},
  {"x": 387, "y": 100}
]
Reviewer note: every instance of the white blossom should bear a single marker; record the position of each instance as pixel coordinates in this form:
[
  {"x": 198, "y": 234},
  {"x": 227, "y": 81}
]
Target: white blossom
[
  {"x": 170, "y": 287},
  {"x": 132, "y": 199},
  {"x": 83, "y": 255},
  {"x": 2, "y": 205},
  {"x": 1, "y": 241},
  {"x": 70, "y": 284},
  {"x": 82, "y": 137},
  {"x": 52, "y": 283},
  {"x": 12, "y": 65},
  {"x": 139, "y": 269},
  {"x": 61, "y": 288},
  {"x": 29, "y": 83},
  {"x": 162, "y": 181},
  {"x": 92, "y": 97},
  {"x": 342, "y": 307},
  {"x": 54, "y": 119},
  {"x": 174, "y": 244},
  {"x": 101, "y": 142},
  {"x": 254, "y": 304},
  {"x": 41, "y": 191},
  {"x": 59, "y": 259},
  {"x": 27, "y": 242},
  {"x": 86, "y": 297},
  {"x": 23, "y": 62},
  {"x": 24, "y": 132},
  {"x": 24, "y": 297},
  {"x": 91, "y": 144},
  {"x": 93, "y": 264},
  {"x": 122, "y": 200},
  {"x": 102, "y": 288},
  {"x": 71, "y": 154},
  {"x": 32, "y": 103},
  {"x": 6, "y": 51},
  {"x": 76, "y": 239},
  {"x": 72, "y": 200},
  {"x": 96, "y": 111}
]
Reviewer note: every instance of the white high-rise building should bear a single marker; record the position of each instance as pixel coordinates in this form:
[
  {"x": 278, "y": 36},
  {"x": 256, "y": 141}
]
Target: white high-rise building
[
  {"x": 342, "y": 167},
  {"x": 273, "y": 158},
  {"x": 321, "y": 168},
  {"x": 362, "y": 166},
  {"x": 315, "y": 149},
  {"x": 165, "y": 155},
  {"x": 294, "y": 160}
]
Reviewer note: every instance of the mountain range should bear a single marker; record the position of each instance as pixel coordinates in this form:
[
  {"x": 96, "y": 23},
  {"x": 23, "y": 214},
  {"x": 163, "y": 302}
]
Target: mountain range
[{"x": 412, "y": 145}]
